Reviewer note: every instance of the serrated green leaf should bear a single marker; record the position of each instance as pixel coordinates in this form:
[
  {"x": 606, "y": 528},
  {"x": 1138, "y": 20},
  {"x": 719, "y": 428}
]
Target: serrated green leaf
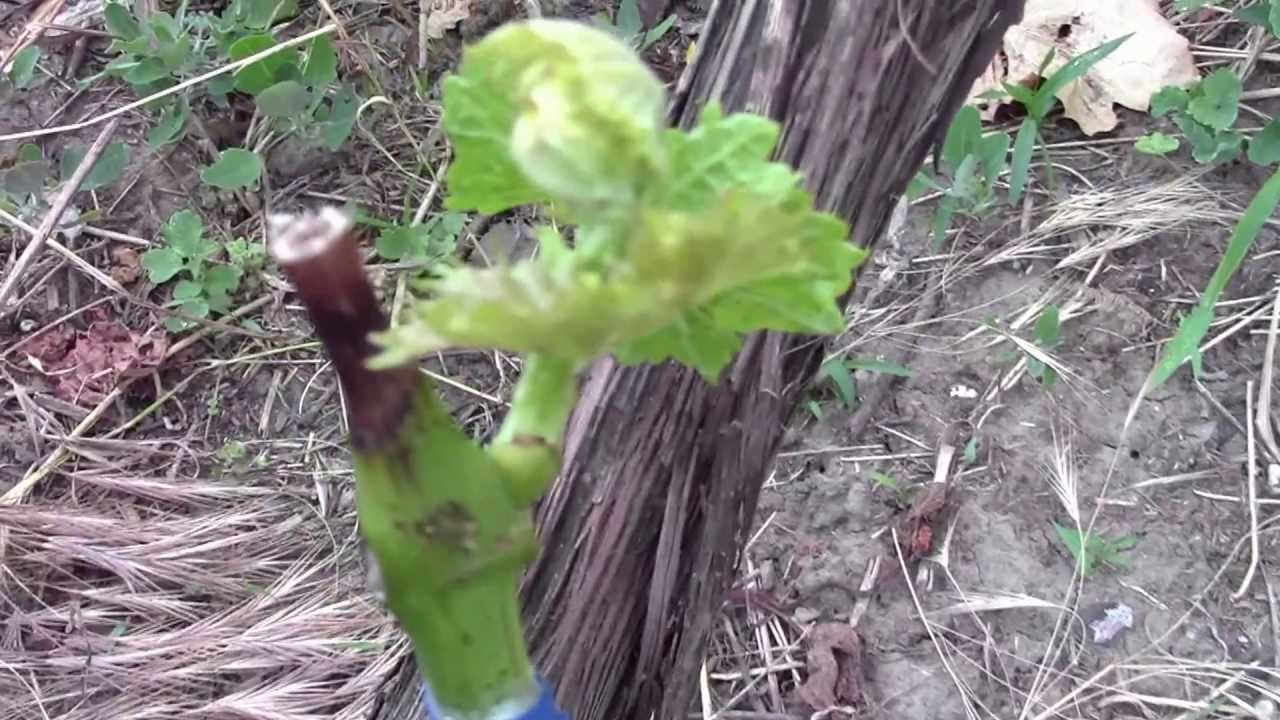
[
  {"x": 583, "y": 130},
  {"x": 399, "y": 242},
  {"x": 321, "y": 66},
  {"x": 1156, "y": 143},
  {"x": 1169, "y": 99},
  {"x": 260, "y": 75},
  {"x": 1264, "y": 148},
  {"x": 171, "y": 126},
  {"x": 1215, "y": 103},
  {"x": 221, "y": 280},
  {"x": 23, "y": 67},
  {"x": 687, "y": 287},
  {"x": 184, "y": 233},
  {"x": 161, "y": 264},
  {"x": 838, "y": 373},
  {"x": 110, "y": 166},
  {"x": 235, "y": 168},
  {"x": 120, "y": 22},
  {"x": 721, "y": 153},
  {"x": 284, "y": 100}
]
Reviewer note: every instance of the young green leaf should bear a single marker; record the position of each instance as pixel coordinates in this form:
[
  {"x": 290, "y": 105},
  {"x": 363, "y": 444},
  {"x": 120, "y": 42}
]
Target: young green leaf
[
  {"x": 1156, "y": 143},
  {"x": 258, "y": 76},
  {"x": 1048, "y": 331},
  {"x": 147, "y": 70},
  {"x": 234, "y": 168},
  {"x": 162, "y": 264},
  {"x": 1189, "y": 5},
  {"x": 878, "y": 365},
  {"x": 399, "y": 242},
  {"x": 1020, "y": 167},
  {"x": 1216, "y": 101},
  {"x": 567, "y": 133},
  {"x": 219, "y": 283},
  {"x": 184, "y": 233},
  {"x": 1208, "y": 145},
  {"x": 1169, "y": 99},
  {"x": 628, "y": 19},
  {"x": 1045, "y": 95},
  {"x": 340, "y": 118},
  {"x": 288, "y": 99},
  {"x": 1264, "y": 148},
  {"x": 110, "y": 166},
  {"x": 884, "y": 480},
  {"x": 120, "y": 22},
  {"x": 23, "y": 67},
  {"x": 971, "y": 451},
  {"x": 1259, "y": 13},
  {"x": 962, "y": 138},
  {"x": 1185, "y": 345},
  {"x": 838, "y": 373},
  {"x": 321, "y": 66},
  {"x": 657, "y": 32},
  {"x": 171, "y": 126}
]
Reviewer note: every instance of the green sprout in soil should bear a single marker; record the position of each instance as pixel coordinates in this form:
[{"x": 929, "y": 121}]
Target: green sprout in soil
[
  {"x": 684, "y": 241},
  {"x": 1092, "y": 550},
  {"x": 629, "y": 27},
  {"x": 296, "y": 90},
  {"x": 205, "y": 286}
]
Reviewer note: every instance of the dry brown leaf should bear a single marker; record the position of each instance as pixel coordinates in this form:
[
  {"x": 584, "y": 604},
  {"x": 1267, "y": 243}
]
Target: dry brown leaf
[
  {"x": 446, "y": 16},
  {"x": 834, "y": 663},
  {"x": 126, "y": 264},
  {"x": 84, "y": 366},
  {"x": 1154, "y": 57}
]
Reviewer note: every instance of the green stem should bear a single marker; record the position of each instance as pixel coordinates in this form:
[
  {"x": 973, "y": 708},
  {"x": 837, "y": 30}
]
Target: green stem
[
  {"x": 527, "y": 447},
  {"x": 436, "y": 510}
]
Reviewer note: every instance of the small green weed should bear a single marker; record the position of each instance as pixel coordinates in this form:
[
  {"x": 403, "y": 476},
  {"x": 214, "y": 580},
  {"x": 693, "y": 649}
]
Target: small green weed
[
  {"x": 1048, "y": 335},
  {"x": 1039, "y": 102},
  {"x": 295, "y": 89},
  {"x": 208, "y": 286},
  {"x": 22, "y": 68},
  {"x": 434, "y": 240},
  {"x": 969, "y": 166},
  {"x": 1092, "y": 550},
  {"x": 838, "y": 372},
  {"x": 627, "y": 25}
]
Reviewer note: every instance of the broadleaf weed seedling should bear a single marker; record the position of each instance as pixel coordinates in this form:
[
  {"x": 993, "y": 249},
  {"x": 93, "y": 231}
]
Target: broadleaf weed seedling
[
  {"x": 207, "y": 286},
  {"x": 1092, "y": 550},
  {"x": 297, "y": 90}
]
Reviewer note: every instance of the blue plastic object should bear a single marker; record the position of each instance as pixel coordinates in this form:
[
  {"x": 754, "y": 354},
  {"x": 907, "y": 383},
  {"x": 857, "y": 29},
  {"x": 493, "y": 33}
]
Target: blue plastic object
[{"x": 544, "y": 707}]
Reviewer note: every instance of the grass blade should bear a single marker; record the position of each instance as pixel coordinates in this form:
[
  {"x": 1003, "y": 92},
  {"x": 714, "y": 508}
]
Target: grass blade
[
  {"x": 1185, "y": 344},
  {"x": 1072, "y": 70},
  {"x": 1022, "y": 147}
]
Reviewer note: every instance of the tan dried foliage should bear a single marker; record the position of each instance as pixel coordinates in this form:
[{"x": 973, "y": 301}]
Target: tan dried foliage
[{"x": 153, "y": 598}]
